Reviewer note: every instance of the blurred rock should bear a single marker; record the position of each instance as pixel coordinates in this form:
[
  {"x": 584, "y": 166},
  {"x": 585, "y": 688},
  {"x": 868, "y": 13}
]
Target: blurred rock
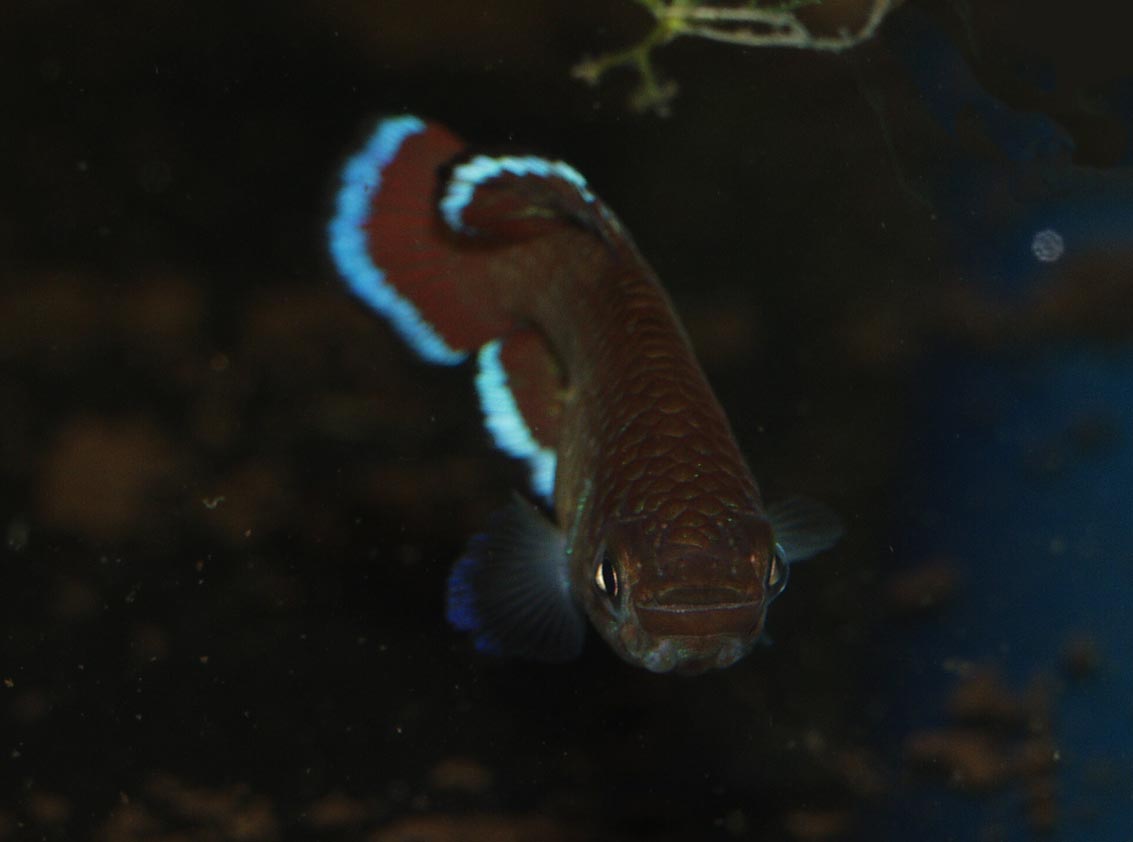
[
  {"x": 232, "y": 812},
  {"x": 969, "y": 759},
  {"x": 983, "y": 697},
  {"x": 51, "y": 319},
  {"x": 161, "y": 316},
  {"x": 922, "y": 588},
  {"x": 128, "y": 822},
  {"x": 818, "y": 825},
  {"x": 47, "y": 808},
  {"x": 1080, "y": 657},
  {"x": 462, "y": 774},
  {"x": 997, "y": 739},
  {"x": 475, "y": 828},
  {"x": 74, "y": 600},
  {"x": 337, "y": 811},
  {"x": 253, "y": 498},
  {"x": 102, "y": 476}
]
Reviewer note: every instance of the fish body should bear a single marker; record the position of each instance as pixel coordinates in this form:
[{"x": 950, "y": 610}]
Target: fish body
[{"x": 657, "y": 531}]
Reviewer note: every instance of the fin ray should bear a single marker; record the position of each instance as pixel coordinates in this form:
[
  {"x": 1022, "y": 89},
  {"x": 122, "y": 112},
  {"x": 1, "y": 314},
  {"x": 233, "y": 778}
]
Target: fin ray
[
  {"x": 518, "y": 381},
  {"x": 511, "y": 589},
  {"x": 804, "y": 527},
  {"x": 391, "y": 248},
  {"x": 514, "y": 197}
]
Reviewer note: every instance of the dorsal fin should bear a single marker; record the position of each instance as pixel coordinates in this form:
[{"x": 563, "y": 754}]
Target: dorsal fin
[{"x": 512, "y": 197}]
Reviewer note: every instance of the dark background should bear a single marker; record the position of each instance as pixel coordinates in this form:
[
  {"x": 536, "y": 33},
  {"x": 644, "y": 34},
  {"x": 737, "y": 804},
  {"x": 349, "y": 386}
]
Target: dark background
[{"x": 231, "y": 497}]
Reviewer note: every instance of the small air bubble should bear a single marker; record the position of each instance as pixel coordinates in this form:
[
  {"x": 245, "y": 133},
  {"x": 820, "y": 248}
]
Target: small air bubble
[{"x": 1047, "y": 245}]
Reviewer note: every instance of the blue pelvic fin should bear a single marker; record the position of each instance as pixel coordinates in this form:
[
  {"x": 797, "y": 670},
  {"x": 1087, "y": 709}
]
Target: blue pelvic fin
[
  {"x": 515, "y": 197},
  {"x": 803, "y": 528},
  {"x": 511, "y": 589},
  {"x": 520, "y": 389}
]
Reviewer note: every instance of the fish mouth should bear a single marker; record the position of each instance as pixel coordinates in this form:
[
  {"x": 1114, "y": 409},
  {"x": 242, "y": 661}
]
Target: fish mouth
[
  {"x": 684, "y": 599},
  {"x": 730, "y": 614},
  {"x": 692, "y": 630}
]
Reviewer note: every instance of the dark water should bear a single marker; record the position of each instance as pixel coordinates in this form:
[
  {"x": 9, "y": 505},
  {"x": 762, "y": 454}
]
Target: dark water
[{"x": 231, "y": 497}]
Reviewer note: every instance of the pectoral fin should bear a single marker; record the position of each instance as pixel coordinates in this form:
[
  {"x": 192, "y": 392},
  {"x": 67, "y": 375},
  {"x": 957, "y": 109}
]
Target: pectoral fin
[
  {"x": 803, "y": 527},
  {"x": 511, "y": 589}
]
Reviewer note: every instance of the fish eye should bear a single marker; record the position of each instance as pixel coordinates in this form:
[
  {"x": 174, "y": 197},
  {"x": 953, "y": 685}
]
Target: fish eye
[
  {"x": 606, "y": 577},
  {"x": 777, "y": 572}
]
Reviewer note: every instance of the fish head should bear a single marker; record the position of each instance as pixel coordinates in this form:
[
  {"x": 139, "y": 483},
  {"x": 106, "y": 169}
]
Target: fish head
[{"x": 680, "y": 599}]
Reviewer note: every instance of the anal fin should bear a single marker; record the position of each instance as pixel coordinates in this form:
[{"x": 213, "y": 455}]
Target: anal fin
[{"x": 520, "y": 387}]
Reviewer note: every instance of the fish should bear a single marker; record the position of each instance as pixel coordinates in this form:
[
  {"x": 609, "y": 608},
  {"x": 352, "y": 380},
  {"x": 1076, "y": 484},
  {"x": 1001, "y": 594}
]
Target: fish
[{"x": 642, "y": 514}]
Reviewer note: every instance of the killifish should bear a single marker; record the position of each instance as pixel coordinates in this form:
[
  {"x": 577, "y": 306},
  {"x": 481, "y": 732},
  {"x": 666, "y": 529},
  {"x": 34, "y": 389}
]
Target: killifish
[{"x": 642, "y": 515}]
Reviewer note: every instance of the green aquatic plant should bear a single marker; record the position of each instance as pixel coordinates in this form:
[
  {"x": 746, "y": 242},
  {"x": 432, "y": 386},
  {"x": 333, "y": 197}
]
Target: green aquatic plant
[{"x": 750, "y": 24}]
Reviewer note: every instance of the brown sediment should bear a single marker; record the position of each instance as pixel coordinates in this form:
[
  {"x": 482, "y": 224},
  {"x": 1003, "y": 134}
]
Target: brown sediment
[
  {"x": 1081, "y": 657},
  {"x": 818, "y": 825},
  {"x": 48, "y": 808},
  {"x": 997, "y": 739},
  {"x": 461, "y": 774},
  {"x": 336, "y": 811},
  {"x": 233, "y": 811},
  {"x": 480, "y": 827},
  {"x": 967, "y": 758},
  {"x": 923, "y": 588},
  {"x": 983, "y": 697},
  {"x": 256, "y": 496},
  {"x": 102, "y": 475}
]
